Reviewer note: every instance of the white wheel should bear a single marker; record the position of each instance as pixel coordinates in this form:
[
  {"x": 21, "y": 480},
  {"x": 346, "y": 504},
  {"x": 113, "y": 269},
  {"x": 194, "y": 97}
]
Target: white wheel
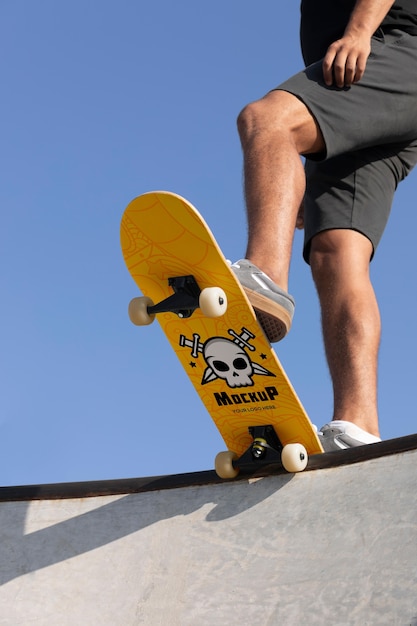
[
  {"x": 138, "y": 311},
  {"x": 294, "y": 457},
  {"x": 213, "y": 302},
  {"x": 223, "y": 464}
]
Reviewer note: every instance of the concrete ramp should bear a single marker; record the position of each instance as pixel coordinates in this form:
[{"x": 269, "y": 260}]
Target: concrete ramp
[{"x": 334, "y": 546}]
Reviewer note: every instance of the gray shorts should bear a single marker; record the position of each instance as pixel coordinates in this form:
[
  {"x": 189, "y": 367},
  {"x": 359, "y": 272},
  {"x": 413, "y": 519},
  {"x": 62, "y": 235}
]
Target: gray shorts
[{"x": 370, "y": 134}]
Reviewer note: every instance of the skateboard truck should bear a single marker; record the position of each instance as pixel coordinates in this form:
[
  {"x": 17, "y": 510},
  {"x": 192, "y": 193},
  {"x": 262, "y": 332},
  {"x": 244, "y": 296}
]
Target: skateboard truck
[
  {"x": 265, "y": 447},
  {"x": 187, "y": 297},
  {"x": 184, "y": 301}
]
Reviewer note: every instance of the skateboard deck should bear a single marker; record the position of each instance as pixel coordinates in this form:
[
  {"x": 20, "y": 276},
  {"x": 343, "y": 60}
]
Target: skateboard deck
[{"x": 228, "y": 359}]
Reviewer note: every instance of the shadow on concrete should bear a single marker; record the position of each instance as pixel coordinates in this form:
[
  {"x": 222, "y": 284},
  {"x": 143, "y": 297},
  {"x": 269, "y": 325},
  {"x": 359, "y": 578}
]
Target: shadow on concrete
[{"x": 22, "y": 553}]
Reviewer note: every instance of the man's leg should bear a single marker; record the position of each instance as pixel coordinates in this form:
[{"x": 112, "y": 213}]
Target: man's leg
[
  {"x": 274, "y": 131},
  {"x": 351, "y": 324}
]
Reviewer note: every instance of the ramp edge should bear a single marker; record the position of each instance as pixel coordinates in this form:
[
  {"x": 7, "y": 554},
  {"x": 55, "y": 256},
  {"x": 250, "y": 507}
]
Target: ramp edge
[{"x": 60, "y": 491}]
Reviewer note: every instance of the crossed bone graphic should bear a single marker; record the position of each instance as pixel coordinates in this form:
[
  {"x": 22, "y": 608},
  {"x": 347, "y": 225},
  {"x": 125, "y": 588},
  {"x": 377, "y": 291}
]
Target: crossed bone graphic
[{"x": 227, "y": 358}]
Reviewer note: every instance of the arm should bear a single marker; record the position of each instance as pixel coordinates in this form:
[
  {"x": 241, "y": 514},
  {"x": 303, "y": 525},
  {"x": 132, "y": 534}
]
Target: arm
[{"x": 346, "y": 58}]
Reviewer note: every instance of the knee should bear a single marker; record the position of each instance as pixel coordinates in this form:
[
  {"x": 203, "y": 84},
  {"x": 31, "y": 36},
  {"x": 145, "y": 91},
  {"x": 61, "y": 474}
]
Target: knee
[
  {"x": 283, "y": 119},
  {"x": 323, "y": 265},
  {"x": 330, "y": 269},
  {"x": 263, "y": 119},
  {"x": 324, "y": 253},
  {"x": 249, "y": 120},
  {"x": 339, "y": 256}
]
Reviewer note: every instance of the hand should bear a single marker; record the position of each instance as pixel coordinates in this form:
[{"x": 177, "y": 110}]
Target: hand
[{"x": 345, "y": 60}]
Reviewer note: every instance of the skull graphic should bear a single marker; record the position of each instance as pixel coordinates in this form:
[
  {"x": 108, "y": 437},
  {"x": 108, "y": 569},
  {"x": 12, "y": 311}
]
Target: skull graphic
[
  {"x": 228, "y": 361},
  {"x": 226, "y": 358}
]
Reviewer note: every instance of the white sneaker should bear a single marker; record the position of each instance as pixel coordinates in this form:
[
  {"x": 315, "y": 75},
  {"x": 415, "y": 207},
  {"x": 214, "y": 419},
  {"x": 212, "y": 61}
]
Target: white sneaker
[{"x": 340, "y": 435}]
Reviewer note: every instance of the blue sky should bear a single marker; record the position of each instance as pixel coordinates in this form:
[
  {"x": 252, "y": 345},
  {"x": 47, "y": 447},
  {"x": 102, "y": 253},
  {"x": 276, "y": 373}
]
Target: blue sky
[{"x": 103, "y": 101}]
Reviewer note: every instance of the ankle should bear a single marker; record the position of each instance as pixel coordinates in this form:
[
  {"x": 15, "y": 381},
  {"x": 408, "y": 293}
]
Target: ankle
[
  {"x": 366, "y": 426},
  {"x": 263, "y": 263}
]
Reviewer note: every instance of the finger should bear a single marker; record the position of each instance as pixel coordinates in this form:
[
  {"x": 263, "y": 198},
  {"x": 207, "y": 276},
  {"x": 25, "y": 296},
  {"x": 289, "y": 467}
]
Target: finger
[
  {"x": 360, "y": 67},
  {"x": 334, "y": 67},
  {"x": 328, "y": 67},
  {"x": 339, "y": 70},
  {"x": 350, "y": 74}
]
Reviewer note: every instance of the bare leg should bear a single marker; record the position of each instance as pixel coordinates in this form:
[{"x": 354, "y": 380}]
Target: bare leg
[
  {"x": 274, "y": 132},
  {"x": 351, "y": 323}
]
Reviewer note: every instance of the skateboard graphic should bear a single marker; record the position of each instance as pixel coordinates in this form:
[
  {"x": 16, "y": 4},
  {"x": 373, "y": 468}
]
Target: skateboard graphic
[{"x": 189, "y": 287}]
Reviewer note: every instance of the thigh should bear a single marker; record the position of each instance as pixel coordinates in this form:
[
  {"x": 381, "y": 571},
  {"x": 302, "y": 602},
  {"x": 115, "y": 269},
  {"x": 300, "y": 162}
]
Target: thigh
[
  {"x": 354, "y": 191},
  {"x": 380, "y": 109}
]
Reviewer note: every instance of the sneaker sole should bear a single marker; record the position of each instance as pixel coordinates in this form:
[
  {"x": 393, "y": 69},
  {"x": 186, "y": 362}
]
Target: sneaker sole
[{"x": 274, "y": 318}]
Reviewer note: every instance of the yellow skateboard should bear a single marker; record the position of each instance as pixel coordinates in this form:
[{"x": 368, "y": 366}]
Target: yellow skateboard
[{"x": 210, "y": 324}]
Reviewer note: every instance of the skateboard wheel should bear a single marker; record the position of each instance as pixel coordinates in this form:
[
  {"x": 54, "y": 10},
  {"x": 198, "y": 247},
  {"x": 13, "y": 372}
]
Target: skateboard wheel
[
  {"x": 223, "y": 464},
  {"x": 294, "y": 457},
  {"x": 213, "y": 302},
  {"x": 138, "y": 311}
]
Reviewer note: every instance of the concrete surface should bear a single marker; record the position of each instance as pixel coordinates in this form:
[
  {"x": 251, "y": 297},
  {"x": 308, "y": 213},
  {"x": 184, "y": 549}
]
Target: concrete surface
[{"x": 334, "y": 546}]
